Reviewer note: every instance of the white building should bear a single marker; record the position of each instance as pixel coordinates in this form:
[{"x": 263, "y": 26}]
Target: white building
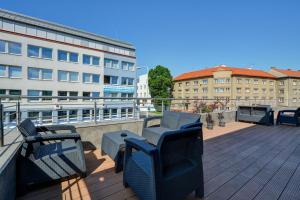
[
  {"x": 41, "y": 58},
  {"x": 143, "y": 92}
]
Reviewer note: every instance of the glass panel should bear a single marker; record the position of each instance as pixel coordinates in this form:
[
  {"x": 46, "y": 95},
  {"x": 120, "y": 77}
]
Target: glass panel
[
  {"x": 73, "y": 115},
  {"x": 86, "y": 78},
  {"x": 95, "y": 94},
  {"x": 2, "y": 92},
  {"x": 46, "y": 53},
  {"x": 96, "y": 78},
  {"x": 2, "y": 70},
  {"x": 14, "y": 48},
  {"x": 106, "y": 114},
  {"x": 130, "y": 66},
  {"x": 15, "y": 72},
  {"x": 124, "y": 65},
  {"x": 86, "y": 94},
  {"x": 114, "y": 113},
  {"x": 124, "y": 81},
  {"x": 62, "y": 115},
  {"x": 62, "y": 76},
  {"x": 33, "y": 73},
  {"x": 34, "y": 116},
  {"x": 115, "y": 64},
  {"x": 46, "y": 74},
  {"x": 86, "y": 114},
  {"x": 107, "y": 63},
  {"x": 73, "y": 76},
  {"x": 33, "y": 93},
  {"x": 73, "y": 94},
  {"x": 62, "y": 55},
  {"x": 47, "y": 116},
  {"x": 86, "y": 59},
  {"x": 73, "y": 57},
  {"x": 33, "y": 51},
  {"x": 62, "y": 94},
  {"x": 130, "y": 81},
  {"x": 96, "y": 61},
  {"x": 114, "y": 80},
  {"x": 2, "y": 46},
  {"x": 106, "y": 79},
  {"x": 14, "y": 92},
  {"x": 46, "y": 93},
  {"x": 123, "y": 112}
]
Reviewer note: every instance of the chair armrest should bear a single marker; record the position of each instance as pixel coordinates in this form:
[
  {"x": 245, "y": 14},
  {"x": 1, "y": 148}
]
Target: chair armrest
[
  {"x": 191, "y": 125},
  {"x": 146, "y": 120},
  {"x": 283, "y": 111},
  {"x": 54, "y": 128},
  {"x": 140, "y": 145},
  {"x": 49, "y": 137}
]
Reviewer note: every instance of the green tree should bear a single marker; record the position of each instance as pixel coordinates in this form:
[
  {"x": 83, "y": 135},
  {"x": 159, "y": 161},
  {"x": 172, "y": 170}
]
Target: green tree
[{"x": 160, "y": 82}]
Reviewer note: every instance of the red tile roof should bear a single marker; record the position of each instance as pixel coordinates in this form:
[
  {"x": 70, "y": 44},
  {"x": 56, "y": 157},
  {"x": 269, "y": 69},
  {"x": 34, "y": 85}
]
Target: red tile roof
[
  {"x": 235, "y": 71},
  {"x": 288, "y": 72}
]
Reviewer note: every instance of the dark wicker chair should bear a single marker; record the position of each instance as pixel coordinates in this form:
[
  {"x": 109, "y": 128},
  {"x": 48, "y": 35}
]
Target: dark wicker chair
[
  {"x": 170, "y": 171},
  {"x": 288, "y": 117},
  {"x": 47, "y": 154}
]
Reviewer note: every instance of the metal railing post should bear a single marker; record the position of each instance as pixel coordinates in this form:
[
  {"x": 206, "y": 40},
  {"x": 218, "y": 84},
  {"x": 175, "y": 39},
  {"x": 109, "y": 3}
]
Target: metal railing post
[
  {"x": 95, "y": 112},
  {"x": 1, "y": 126},
  {"x": 18, "y": 112}
]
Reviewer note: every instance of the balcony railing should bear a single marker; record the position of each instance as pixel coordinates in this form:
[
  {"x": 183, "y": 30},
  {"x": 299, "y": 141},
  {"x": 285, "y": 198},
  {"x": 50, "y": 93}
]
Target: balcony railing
[{"x": 79, "y": 110}]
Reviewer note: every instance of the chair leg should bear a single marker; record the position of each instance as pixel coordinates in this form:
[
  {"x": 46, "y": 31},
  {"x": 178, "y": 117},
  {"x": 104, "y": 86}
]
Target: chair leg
[{"x": 125, "y": 184}]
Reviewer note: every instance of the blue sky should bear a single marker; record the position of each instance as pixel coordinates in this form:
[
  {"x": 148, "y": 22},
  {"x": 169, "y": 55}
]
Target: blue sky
[{"x": 186, "y": 35}]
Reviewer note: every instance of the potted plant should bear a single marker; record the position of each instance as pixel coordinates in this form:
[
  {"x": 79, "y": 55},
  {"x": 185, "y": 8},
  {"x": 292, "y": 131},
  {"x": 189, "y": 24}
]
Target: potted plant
[
  {"x": 221, "y": 119},
  {"x": 209, "y": 121}
]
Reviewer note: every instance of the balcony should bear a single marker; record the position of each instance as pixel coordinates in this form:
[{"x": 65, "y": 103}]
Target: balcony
[{"x": 241, "y": 161}]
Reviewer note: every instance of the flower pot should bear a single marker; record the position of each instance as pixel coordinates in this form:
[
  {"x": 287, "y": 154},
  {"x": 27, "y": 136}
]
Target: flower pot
[
  {"x": 222, "y": 123},
  {"x": 210, "y": 126}
]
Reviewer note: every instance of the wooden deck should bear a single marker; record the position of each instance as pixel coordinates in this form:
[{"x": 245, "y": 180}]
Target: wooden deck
[{"x": 241, "y": 161}]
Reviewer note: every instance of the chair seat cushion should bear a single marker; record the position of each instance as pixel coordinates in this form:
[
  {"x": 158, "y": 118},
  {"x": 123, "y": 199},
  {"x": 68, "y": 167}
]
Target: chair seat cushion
[
  {"x": 57, "y": 148},
  {"x": 153, "y": 134}
]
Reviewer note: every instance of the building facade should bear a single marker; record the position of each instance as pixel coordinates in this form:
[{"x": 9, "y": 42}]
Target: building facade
[
  {"x": 40, "y": 58},
  {"x": 143, "y": 92},
  {"x": 234, "y": 86}
]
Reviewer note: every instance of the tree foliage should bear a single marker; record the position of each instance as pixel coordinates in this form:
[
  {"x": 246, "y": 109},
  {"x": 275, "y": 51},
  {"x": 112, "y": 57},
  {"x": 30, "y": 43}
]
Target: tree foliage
[{"x": 160, "y": 82}]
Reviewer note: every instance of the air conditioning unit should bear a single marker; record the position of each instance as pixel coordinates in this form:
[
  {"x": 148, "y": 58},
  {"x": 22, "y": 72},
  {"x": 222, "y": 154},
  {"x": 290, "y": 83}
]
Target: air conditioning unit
[{"x": 57, "y": 107}]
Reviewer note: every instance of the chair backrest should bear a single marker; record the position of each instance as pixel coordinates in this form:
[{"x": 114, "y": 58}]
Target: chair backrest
[
  {"x": 298, "y": 112},
  {"x": 245, "y": 110},
  {"x": 179, "y": 146},
  {"x": 174, "y": 120},
  {"x": 27, "y": 128}
]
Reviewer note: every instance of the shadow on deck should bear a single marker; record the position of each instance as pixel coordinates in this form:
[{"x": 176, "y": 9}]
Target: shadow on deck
[{"x": 241, "y": 161}]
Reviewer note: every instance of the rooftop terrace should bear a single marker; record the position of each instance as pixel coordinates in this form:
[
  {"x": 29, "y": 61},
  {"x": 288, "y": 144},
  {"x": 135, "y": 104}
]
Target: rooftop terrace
[{"x": 241, "y": 161}]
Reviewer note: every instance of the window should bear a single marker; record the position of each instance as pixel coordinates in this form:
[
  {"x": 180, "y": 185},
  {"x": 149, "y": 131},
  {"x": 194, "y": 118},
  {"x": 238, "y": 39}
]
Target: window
[
  {"x": 62, "y": 76},
  {"x": 127, "y": 81},
  {"x": 62, "y": 94},
  {"x": 281, "y": 91},
  {"x": 281, "y": 83},
  {"x": 114, "y": 113},
  {"x": 255, "y": 90},
  {"x": 86, "y": 114},
  {"x": 39, "y": 74},
  {"x": 112, "y": 80},
  {"x": 73, "y": 94},
  {"x": 14, "y": 92},
  {"x": 294, "y": 82},
  {"x": 73, "y": 115},
  {"x": 195, "y": 82},
  {"x": 14, "y": 72},
  {"x": 264, "y": 82},
  {"x": 34, "y": 94},
  {"x": 281, "y": 99},
  {"x": 2, "y": 71},
  {"x": 238, "y": 90},
  {"x": 67, "y": 56},
  {"x": 255, "y": 82},
  {"x": 47, "y": 116},
  {"x": 90, "y": 60},
  {"x": 187, "y": 83},
  {"x": 68, "y": 76},
  {"x": 195, "y": 90},
  {"x": 247, "y": 90},
  {"x": 294, "y": 100},
  {"x": 127, "y": 66},
  {"x": 86, "y": 94},
  {"x": 95, "y": 94},
  {"x": 264, "y": 91},
  {"x": 62, "y": 115},
  {"x": 10, "y": 47},
  {"x": 220, "y": 80},
  {"x": 204, "y": 90},
  {"x": 247, "y": 81},
  {"x": 219, "y": 90},
  {"x": 39, "y": 52},
  {"x": 34, "y": 116},
  {"x": 90, "y": 78},
  {"x": 110, "y": 63},
  {"x": 239, "y": 81},
  {"x": 205, "y": 82},
  {"x": 271, "y": 82},
  {"x": 73, "y": 76}
]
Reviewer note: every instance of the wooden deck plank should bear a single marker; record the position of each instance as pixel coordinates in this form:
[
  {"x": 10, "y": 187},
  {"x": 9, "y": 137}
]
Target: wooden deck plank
[
  {"x": 232, "y": 186},
  {"x": 241, "y": 161}
]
